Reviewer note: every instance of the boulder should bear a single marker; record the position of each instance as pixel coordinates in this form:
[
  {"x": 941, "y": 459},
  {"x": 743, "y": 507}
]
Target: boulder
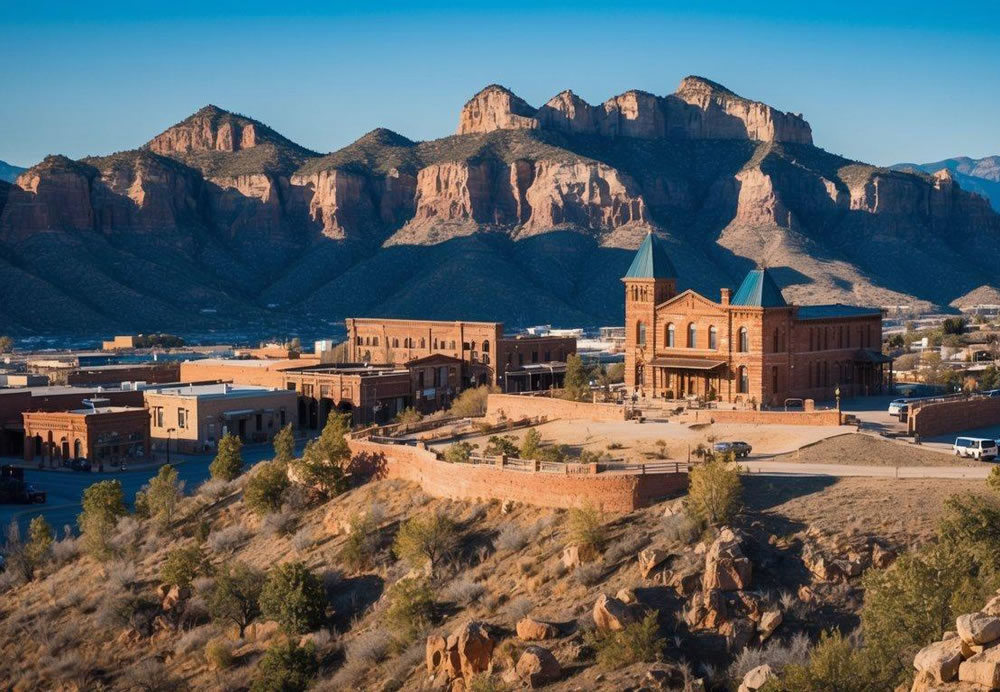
[
  {"x": 882, "y": 557},
  {"x": 977, "y": 628},
  {"x": 940, "y": 659},
  {"x": 684, "y": 582},
  {"x": 650, "y": 559},
  {"x": 474, "y": 647},
  {"x": 756, "y": 677},
  {"x": 175, "y": 596},
  {"x": 726, "y": 567},
  {"x": 435, "y": 653},
  {"x": 715, "y": 611},
  {"x": 983, "y": 668},
  {"x": 611, "y": 615},
  {"x": 531, "y": 630},
  {"x": 665, "y": 677},
  {"x": 738, "y": 633},
  {"x": 627, "y": 596},
  {"x": 571, "y": 557},
  {"x": 752, "y": 603},
  {"x": 769, "y": 622},
  {"x": 992, "y": 607},
  {"x": 537, "y": 666},
  {"x": 821, "y": 567}
]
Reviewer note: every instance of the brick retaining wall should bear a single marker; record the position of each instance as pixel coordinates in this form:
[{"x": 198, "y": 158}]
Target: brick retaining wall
[
  {"x": 610, "y": 492},
  {"x": 942, "y": 417},
  {"x": 516, "y": 407},
  {"x": 751, "y": 417}
]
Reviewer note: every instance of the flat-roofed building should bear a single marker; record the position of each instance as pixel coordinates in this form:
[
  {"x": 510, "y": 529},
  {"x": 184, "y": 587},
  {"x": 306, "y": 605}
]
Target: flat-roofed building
[
  {"x": 192, "y": 418},
  {"x": 248, "y": 371},
  {"x": 371, "y": 394},
  {"x": 104, "y": 435},
  {"x": 155, "y": 373}
]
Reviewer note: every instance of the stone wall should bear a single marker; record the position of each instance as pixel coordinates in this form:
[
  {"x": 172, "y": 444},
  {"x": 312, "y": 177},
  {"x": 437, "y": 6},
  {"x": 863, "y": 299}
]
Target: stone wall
[
  {"x": 515, "y": 407},
  {"x": 751, "y": 417},
  {"x": 942, "y": 417},
  {"x": 610, "y": 492}
]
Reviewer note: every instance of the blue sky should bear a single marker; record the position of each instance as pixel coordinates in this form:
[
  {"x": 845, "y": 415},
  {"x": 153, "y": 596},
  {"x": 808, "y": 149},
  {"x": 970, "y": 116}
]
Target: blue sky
[{"x": 881, "y": 82}]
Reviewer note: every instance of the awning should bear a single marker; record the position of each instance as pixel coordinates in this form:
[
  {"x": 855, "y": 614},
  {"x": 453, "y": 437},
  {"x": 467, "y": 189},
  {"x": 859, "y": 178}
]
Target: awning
[
  {"x": 687, "y": 363},
  {"x": 866, "y": 355},
  {"x": 237, "y": 414}
]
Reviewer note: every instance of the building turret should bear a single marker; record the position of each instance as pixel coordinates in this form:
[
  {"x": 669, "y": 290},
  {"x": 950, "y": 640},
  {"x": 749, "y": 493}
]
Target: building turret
[{"x": 650, "y": 280}]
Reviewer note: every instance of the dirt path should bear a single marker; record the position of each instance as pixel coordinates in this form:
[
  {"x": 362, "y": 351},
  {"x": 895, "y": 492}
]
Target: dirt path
[{"x": 866, "y": 450}]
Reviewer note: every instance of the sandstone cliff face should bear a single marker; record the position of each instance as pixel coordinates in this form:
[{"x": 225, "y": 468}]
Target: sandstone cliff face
[
  {"x": 53, "y": 195},
  {"x": 210, "y": 129},
  {"x": 495, "y": 108}
]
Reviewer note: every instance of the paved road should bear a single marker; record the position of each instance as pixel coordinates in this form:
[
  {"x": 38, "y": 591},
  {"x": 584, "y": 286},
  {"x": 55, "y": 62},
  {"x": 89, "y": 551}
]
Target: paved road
[
  {"x": 65, "y": 488},
  {"x": 789, "y": 468}
]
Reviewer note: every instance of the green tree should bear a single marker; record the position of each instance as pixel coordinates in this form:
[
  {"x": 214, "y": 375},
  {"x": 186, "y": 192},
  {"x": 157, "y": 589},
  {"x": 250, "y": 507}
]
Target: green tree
[
  {"x": 586, "y": 528},
  {"x": 505, "y": 445},
  {"x": 953, "y": 325},
  {"x": 459, "y": 452},
  {"x": 424, "y": 539},
  {"x": 163, "y": 494},
  {"x": 715, "y": 491},
  {"x": 408, "y": 416},
  {"x": 266, "y": 487},
  {"x": 834, "y": 664},
  {"x": 284, "y": 445},
  {"x": 293, "y": 597},
  {"x": 638, "y": 642},
  {"x": 6, "y": 344},
  {"x": 362, "y": 542},
  {"x": 411, "y": 607},
  {"x": 235, "y": 596},
  {"x": 285, "y": 667},
  {"x": 325, "y": 460},
  {"x": 39, "y": 540},
  {"x": 990, "y": 378},
  {"x": 103, "y": 504},
  {"x": 531, "y": 443},
  {"x": 228, "y": 462},
  {"x": 182, "y": 566},
  {"x": 576, "y": 383},
  {"x": 471, "y": 403}
]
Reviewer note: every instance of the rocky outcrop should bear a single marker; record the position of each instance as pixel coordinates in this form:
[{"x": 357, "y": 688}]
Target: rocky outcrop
[
  {"x": 611, "y": 615},
  {"x": 495, "y": 108},
  {"x": 726, "y": 566},
  {"x": 531, "y": 630},
  {"x": 538, "y": 667},
  {"x": 210, "y": 129}
]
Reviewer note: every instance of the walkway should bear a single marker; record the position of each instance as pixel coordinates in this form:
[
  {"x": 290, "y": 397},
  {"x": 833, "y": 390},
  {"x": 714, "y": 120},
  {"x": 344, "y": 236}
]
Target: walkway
[{"x": 787, "y": 468}]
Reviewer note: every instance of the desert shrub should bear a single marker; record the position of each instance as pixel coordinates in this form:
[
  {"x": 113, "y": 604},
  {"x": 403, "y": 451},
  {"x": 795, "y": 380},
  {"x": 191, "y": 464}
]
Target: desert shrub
[
  {"x": 284, "y": 445},
  {"x": 235, "y": 596},
  {"x": 410, "y": 609},
  {"x": 513, "y": 538},
  {"x": 65, "y": 550},
  {"x": 121, "y": 575},
  {"x": 362, "y": 542},
  {"x": 638, "y": 642},
  {"x": 182, "y": 566},
  {"x": 162, "y": 495},
  {"x": 294, "y": 597},
  {"x": 424, "y": 539},
  {"x": 776, "y": 653},
  {"x": 409, "y": 416},
  {"x": 615, "y": 445},
  {"x": 266, "y": 487},
  {"x": 39, "y": 540},
  {"x": 149, "y": 675},
  {"x": 23, "y": 557},
  {"x": 194, "y": 639},
  {"x": 715, "y": 492},
  {"x": 589, "y": 574},
  {"x": 285, "y": 667},
  {"x": 586, "y": 527},
  {"x": 464, "y": 592},
  {"x": 279, "y": 524},
  {"x": 833, "y": 664},
  {"x": 325, "y": 459},
  {"x": 589, "y": 457},
  {"x": 370, "y": 647},
  {"x": 626, "y": 546},
  {"x": 459, "y": 452},
  {"x": 219, "y": 654},
  {"x": 502, "y": 445},
  {"x": 127, "y": 537},
  {"x": 103, "y": 504},
  {"x": 215, "y": 489},
  {"x": 530, "y": 445},
  {"x": 520, "y": 607},
  {"x": 228, "y": 461},
  {"x": 681, "y": 528},
  {"x": 471, "y": 403},
  {"x": 126, "y": 611},
  {"x": 303, "y": 540},
  {"x": 228, "y": 540}
]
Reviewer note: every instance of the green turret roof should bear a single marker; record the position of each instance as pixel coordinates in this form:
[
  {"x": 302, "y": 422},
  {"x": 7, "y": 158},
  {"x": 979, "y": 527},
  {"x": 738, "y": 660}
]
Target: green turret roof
[
  {"x": 758, "y": 290},
  {"x": 652, "y": 261}
]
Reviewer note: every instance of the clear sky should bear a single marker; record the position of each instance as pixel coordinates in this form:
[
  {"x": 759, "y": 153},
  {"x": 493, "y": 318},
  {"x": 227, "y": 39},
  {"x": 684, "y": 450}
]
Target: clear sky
[{"x": 880, "y": 81}]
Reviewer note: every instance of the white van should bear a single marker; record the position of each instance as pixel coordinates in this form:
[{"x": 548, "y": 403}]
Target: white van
[
  {"x": 896, "y": 406},
  {"x": 975, "y": 447}
]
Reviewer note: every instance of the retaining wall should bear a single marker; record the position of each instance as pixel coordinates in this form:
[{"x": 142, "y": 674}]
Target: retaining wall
[
  {"x": 942, "y": 417},
  {"x": 513, "y": 406},
  {"x": 751, "y": 417},
  {"x": 611, "y": 492}
]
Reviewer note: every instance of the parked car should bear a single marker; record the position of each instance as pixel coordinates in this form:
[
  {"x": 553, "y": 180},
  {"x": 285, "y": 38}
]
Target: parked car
[
  {"x": 896, "y": 406},
  {"x": 16, "y": 491},
  {"x": 737, "y": 449},
  {"x": 80, "y": 465},
  {"x": 975, "y": 447}
]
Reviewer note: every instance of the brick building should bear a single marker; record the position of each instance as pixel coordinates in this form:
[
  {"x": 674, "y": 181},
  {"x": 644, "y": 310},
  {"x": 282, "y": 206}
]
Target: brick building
[
  {"x": 192, "y": 418},
  {"x": 248, "y": 371},
  {"x": 485, "y": 353},
  {"x": 749, "y": 347},
  {"x": 102, "y": 434},
  {"x": 370, "y": 394},
  {"x": 156, "y": 373}
]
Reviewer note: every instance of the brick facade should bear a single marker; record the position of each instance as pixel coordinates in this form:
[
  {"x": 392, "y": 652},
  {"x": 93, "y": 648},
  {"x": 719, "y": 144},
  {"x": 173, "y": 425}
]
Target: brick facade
[
  {"x": 515, "y": 407},
  {"x": 108, "y": 435},
  {"x": 935, "y": 418},
  {"x": 370, "y": 395}
]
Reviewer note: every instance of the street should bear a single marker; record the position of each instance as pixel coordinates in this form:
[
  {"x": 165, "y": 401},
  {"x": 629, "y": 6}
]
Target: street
[{"x": 65, "y": 488}]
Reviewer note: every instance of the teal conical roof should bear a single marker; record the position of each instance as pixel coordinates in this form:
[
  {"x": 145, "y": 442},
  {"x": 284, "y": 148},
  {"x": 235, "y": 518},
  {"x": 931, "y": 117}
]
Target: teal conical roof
[
  {"x": 758, "y": 290},
  {"x": 652, "y": 261}
]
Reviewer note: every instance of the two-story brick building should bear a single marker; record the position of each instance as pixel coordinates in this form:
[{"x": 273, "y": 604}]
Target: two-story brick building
[{"x": 749, "y": 347}]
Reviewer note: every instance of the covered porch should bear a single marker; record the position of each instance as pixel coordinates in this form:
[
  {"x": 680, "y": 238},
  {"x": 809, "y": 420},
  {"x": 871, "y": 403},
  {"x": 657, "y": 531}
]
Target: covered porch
[{"x": 679, "y": 378}]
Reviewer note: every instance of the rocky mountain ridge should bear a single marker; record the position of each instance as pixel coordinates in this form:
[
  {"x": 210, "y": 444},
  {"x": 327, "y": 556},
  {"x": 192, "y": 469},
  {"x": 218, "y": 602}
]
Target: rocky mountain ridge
[
  {"x": 9, "y": 172},
  {"x": 527, "y": 215},
  {"x": 981, "y": 176}
]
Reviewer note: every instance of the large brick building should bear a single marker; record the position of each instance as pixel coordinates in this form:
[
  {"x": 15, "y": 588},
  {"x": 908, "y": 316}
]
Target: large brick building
[
  {"x": 486, "y": 354},
  {"x": 102, "y": 434},
  {"x": 370, "y": 394},
  {"x": 749, "y": 347}
]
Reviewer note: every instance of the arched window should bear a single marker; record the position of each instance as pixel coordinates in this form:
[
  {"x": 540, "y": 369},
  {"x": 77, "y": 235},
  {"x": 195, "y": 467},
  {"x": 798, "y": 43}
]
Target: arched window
[
  {"x": 452, "y": 347},
  {"x": 713, "y": 338},
  {"x": 670, "y": 335},
  {"x": 742, "y": 380},
  {"x": 486, "y": 347},
  {"x": 486, "y": 358},
  {"x": 744, "y": 340},
  {"x": 640, "y": 375},
  {"x": 395, "y": 342},
  {"x": 692, "y": 335},
  {"x": 777, "y": 341},
  {"x": 640, "y": 334},
  {"x": 423, "y": 342}
]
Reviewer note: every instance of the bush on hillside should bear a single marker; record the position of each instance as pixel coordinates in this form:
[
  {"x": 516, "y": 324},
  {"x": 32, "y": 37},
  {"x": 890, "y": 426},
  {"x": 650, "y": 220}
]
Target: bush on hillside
[
  {"x": 285, "y": 667},
  {"x": 235, "y": 596},
  {"x": 424, "y": 539},
  {"x": 471, "y": 403},
  {"x": 103, "y": 504},
  {"x": 293, "y": 597},
  {"x": 266, "y": 487},
  {"x": 639, "y": 642},
  {"x": 284, "y": 445},
  {"x": 182, "y": 566},
  {"x": 411, "y": 607},
  {"x": 715, "y": 492},
  {"x": 228, "y": 462}
]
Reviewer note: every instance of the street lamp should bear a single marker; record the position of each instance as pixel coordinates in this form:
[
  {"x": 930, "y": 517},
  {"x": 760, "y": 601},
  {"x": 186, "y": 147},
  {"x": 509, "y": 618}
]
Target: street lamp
[
  {"x": 836, "y": 394},
  {"x": 169, "y": 430}
]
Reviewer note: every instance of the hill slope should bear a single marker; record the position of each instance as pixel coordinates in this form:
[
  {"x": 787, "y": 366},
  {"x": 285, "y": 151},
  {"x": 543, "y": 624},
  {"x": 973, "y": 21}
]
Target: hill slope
[
  {"x": 527, "y": 215},
  {"x": 981, "y": 176},
  {"x": 9, "y": 172}
]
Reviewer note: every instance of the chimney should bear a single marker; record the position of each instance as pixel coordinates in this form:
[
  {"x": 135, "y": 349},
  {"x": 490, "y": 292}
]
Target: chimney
[{"x": 725, "y": 296}]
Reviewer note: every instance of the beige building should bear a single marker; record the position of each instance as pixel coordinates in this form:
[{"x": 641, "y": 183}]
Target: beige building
[{"x": 192, "y": 418}]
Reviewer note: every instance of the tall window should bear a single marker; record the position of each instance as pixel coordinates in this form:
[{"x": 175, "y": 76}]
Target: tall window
[
  {"x": 777, "y": 341},
  {"x": 713, "y": 338},
  {"x": 640, "y": 334},
  {"x": 670, "y": 335},
  {"x": 744, "y": 340},
  {"x": 774, "y": 378},
  {"x": 742, "y": 380},
  {"x": 182, "y": 418},
  {"x": 692, "y": 335}
]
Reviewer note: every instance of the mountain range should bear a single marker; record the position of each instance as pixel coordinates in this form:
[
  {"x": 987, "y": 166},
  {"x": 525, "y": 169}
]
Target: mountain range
[
  {"x": 976, "y": 175},
  {"x": 527, "y": 215},
  {"x": 9, "y": 172}
]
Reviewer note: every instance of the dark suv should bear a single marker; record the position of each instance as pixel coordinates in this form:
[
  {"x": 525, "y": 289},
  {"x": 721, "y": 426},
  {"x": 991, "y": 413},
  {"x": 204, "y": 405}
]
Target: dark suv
[{"x": 737, "y": 449}]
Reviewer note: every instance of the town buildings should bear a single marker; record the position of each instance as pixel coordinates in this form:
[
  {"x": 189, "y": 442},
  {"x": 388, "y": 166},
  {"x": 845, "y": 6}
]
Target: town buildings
[
  {"x": 154, "y": 373},
  {"x": 371, "y": 394},
  {"x": 192, "y": 418},
  {"x": 104, "y": 435},
  {"x": 486, "y": 354},
  {"x": 750, "y": 347}
]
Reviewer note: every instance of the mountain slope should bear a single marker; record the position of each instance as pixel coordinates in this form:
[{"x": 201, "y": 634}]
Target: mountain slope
[
  {"x": 981, "y": 176},
  {"x": 527, "y": 215},
  {"x": 9, "y": 172}
]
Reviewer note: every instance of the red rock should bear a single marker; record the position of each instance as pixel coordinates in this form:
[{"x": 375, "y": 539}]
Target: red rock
[{"x": 538, "y": 667}]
